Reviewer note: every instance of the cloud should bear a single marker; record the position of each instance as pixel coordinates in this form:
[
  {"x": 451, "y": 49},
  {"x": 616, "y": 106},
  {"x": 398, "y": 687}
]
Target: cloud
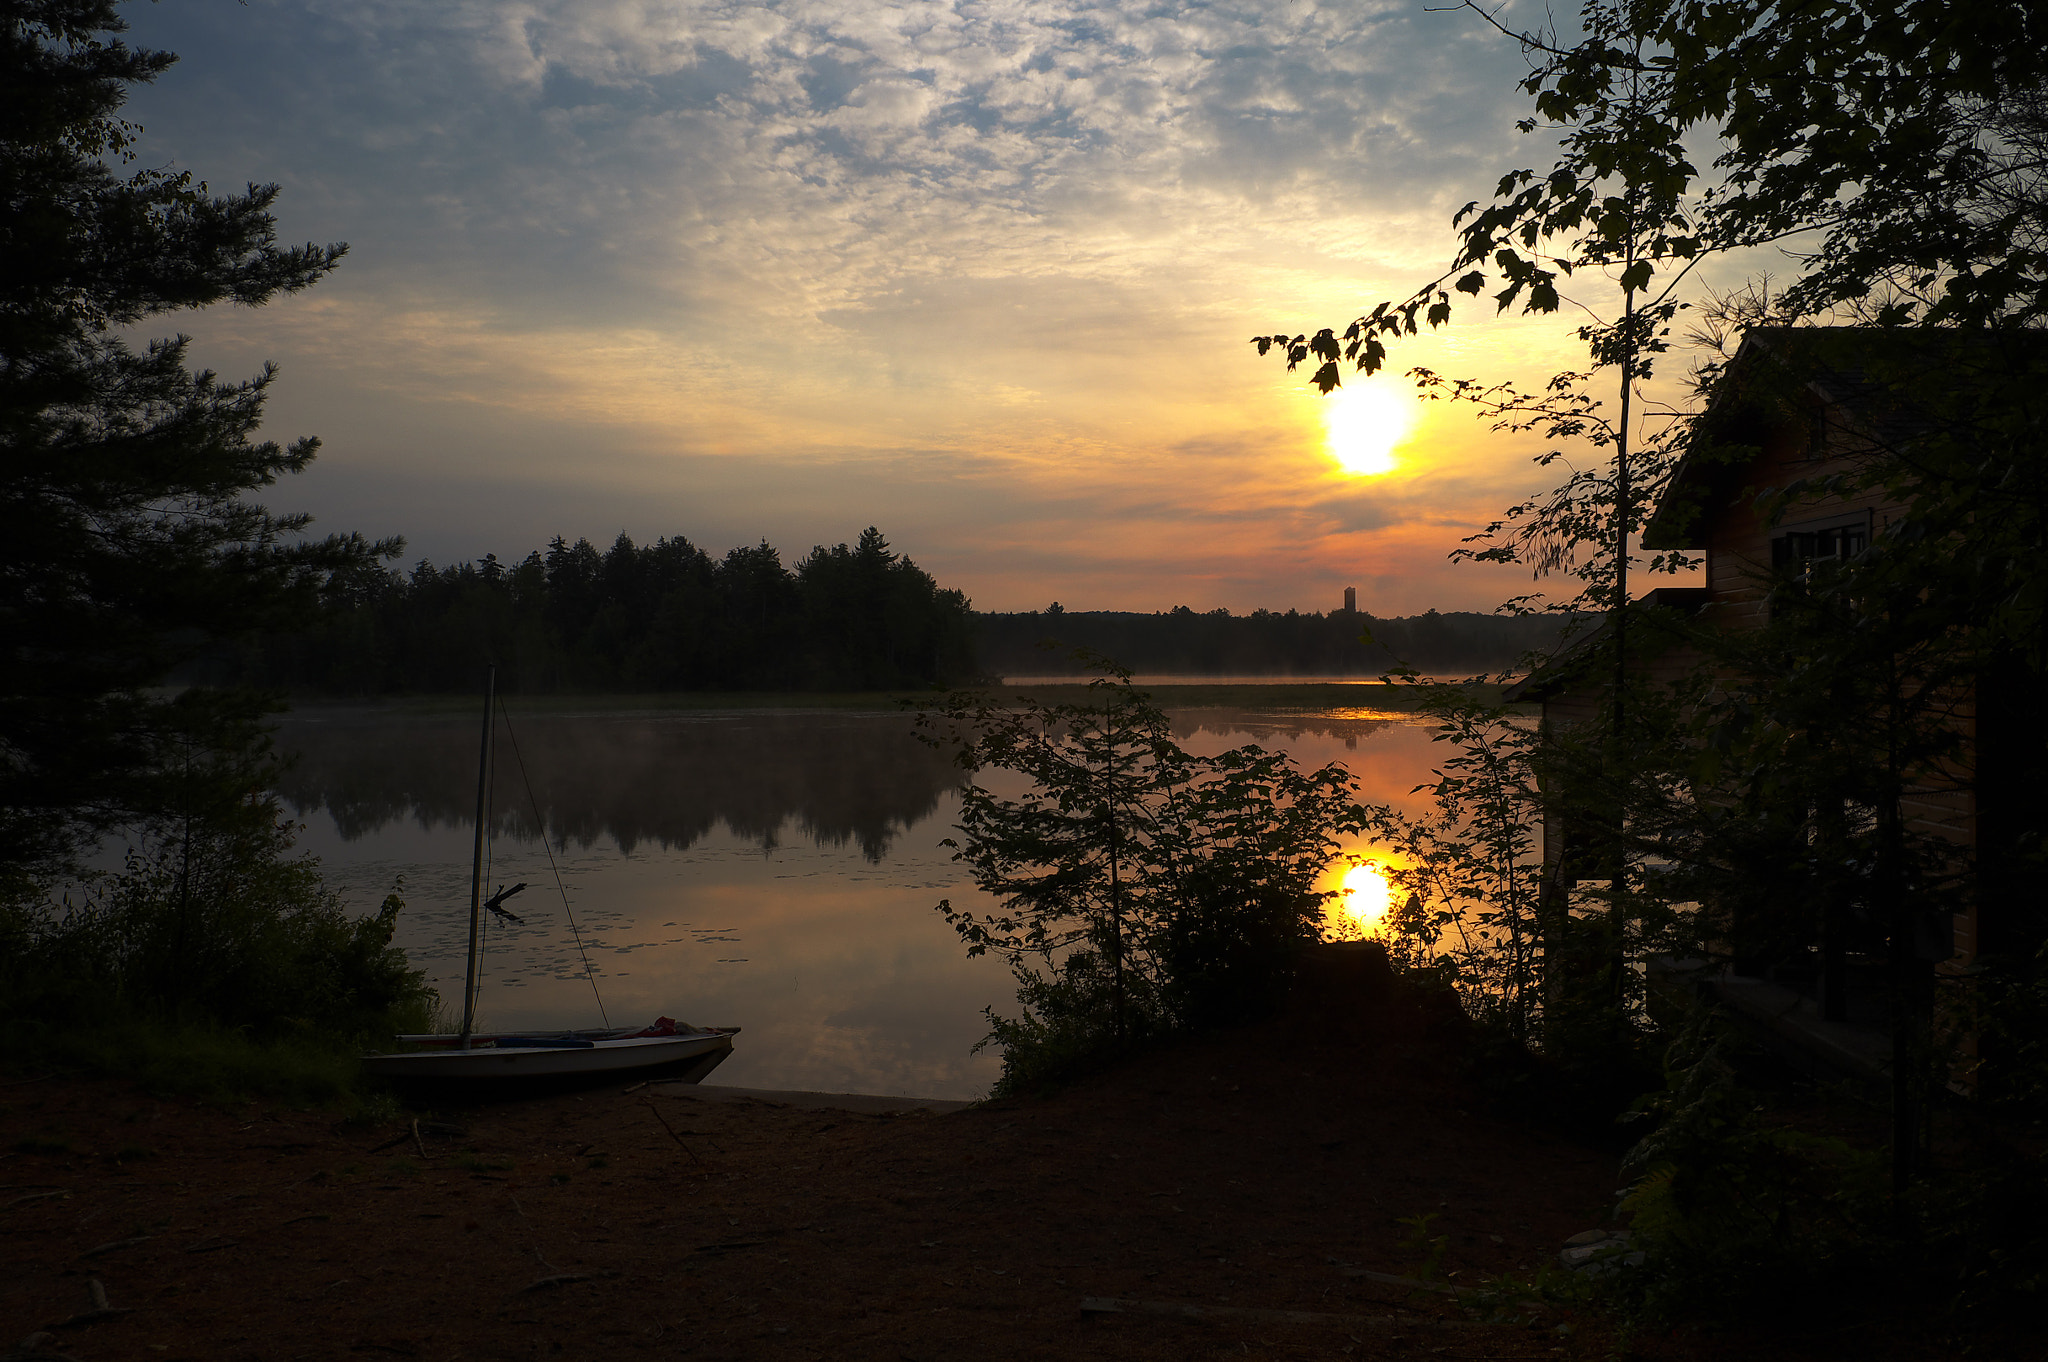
[{"x": 986, "y": 266}]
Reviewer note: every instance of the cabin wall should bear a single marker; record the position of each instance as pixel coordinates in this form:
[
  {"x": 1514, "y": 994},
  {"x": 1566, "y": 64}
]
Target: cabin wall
[
  {"x": 1737, "y": 543},
  {"x": 1736, "y": 540}
]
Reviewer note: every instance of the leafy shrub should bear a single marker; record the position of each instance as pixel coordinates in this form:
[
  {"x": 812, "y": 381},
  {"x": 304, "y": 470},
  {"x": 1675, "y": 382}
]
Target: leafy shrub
[
  {"x": 1741, "y": 1216},
  {"x": 1142, "y": 889},
  {"x": 1066, "y": 1026},
  {"x": 222, "y": 935}
]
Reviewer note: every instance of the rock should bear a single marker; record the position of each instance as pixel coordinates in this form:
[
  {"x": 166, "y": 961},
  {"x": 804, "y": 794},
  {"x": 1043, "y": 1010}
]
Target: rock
[{"x": 1598, "y": 1251}]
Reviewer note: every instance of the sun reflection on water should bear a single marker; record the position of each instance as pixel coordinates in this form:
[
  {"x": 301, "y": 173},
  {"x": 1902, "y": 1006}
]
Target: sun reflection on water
[{"x": 1365, "y": 896}]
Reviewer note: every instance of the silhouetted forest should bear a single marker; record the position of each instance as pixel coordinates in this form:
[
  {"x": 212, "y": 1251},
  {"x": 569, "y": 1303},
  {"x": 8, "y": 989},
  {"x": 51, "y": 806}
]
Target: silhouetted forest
[
  {"x": 667, "y": 616},
  {"x": 1181, "y": 642},
  {"x": 658, "y": 617}
]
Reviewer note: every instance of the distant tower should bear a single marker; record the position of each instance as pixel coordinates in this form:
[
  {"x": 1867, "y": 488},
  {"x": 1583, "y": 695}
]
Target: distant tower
[{"x": 1350, "y": 600}]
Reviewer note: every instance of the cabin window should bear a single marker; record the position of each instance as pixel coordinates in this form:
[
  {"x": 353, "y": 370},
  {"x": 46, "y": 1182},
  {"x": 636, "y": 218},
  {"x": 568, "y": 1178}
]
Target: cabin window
[
  {"x": 1795, "y": 550},
  {"x": 1798, "y": 550}
]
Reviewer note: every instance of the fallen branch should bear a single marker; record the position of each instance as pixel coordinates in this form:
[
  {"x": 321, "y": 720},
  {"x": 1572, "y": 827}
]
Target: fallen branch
[
  {"x": 117, "y": 1244},
  {"x": 54, "y": 1073},
  {"x": 1110, "y": 1305},
  {"x": 671, "y": 1130},
  {"x": 560, "y": 1279},
  {"x": 1481, "y": 1294},
  {"x": 1412, "y": 1283},
  {"x": 213, "y": 1245},
  {"x": 418, "y": 1143},
  {"x": 35, "y": 1196}
]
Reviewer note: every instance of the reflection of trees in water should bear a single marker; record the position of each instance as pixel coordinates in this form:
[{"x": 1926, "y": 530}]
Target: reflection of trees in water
[
  {"x": 1264, "y": 727},
  {"x": 668, "y": 780}
]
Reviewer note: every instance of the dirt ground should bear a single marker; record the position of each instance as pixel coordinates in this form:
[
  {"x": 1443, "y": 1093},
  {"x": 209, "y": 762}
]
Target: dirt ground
[{"x": 1235, "y": 1194}]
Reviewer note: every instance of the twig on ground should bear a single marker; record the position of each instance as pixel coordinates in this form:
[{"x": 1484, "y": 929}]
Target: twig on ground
[
  {"x": 1110, "y": 1305},
  {"x": 559, "y": 1279},
  {"x": 35, "y": 1196},
  {"x": 671, "y": 1130},
  {"x": 1412, "y": 1283},
  {"x": 213, "y": 1245},
  {"x": 117, "y": 1244},
  {"x": 418, "y": 1143}
]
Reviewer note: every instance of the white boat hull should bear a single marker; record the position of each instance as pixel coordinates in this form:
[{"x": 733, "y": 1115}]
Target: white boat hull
[{"x": 492, "y": 1061}]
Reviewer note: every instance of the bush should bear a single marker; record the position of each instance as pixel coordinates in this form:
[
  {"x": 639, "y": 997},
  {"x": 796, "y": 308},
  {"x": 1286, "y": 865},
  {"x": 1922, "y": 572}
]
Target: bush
[
  {"x": 1067, "y": 1025},
  {"x": 1142, "y": 889},
  {"x": 218, "y": 935},
  {"x": 1743, "y": 1217}
]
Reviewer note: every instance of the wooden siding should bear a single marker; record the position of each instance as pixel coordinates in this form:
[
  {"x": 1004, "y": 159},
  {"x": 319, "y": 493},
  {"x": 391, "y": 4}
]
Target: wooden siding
[{"x": 1735, "y": 537}]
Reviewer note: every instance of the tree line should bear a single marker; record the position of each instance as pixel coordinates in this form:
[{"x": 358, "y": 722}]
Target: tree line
[
  {"x": 649, "y": 617},
  {"x": 668, "y": 616},
  {"x": 1182, "y": 642}
]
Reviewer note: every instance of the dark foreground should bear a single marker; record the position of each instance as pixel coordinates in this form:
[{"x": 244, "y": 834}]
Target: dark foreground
[{"x": 1259, "y": 1178}]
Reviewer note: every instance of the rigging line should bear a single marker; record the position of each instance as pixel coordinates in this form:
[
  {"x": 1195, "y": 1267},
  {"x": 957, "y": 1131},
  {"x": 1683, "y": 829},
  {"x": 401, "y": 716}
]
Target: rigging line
[
  {"x": 549, "y": 847},
  {"x": 483, "y": 937}
]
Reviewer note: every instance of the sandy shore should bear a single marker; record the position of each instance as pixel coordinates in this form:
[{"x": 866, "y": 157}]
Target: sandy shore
[{"x": 1238, "y": 1197}]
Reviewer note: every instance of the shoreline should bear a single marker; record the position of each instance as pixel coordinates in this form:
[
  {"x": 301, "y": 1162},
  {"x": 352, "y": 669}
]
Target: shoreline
[{"x": 1279, "y": 695}]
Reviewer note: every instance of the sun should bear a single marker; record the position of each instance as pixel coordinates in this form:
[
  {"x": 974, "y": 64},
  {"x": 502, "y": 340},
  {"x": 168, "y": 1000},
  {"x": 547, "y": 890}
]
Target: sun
[
  {"x": 1367, "y": 896},
  {"x": 1364, "y": 425}
]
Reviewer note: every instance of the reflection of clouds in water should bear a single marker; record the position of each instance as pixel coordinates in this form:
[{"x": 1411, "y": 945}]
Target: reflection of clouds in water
[{"x": 850, "y": 982}]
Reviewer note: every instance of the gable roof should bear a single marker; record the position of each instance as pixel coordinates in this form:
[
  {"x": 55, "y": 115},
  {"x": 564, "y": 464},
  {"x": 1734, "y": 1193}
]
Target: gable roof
[{"x": 1885, "y": 383}]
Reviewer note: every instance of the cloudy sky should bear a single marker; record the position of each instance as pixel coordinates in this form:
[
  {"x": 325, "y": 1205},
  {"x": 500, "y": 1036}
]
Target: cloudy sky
[{"x": 979, "y": 272}]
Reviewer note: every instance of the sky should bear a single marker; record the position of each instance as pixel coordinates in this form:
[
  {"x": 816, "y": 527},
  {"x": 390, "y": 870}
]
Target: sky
[{"x": 981, "y": 273}]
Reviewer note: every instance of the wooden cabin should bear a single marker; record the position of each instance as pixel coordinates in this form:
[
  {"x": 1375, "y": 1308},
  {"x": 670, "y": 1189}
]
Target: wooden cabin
[{"x": 1793, "y": 408}]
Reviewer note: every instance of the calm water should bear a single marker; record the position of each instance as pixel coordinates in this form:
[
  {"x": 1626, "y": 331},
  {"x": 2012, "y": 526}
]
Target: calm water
[{"x": 773, "y": 870}]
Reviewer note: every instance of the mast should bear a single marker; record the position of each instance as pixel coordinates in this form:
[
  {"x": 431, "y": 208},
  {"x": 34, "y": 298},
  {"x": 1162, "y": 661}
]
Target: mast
[{"x": 476, "y": 864}]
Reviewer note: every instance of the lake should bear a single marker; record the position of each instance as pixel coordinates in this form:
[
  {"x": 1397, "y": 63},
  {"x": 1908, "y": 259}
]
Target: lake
[{"x": 772, "y": 869}]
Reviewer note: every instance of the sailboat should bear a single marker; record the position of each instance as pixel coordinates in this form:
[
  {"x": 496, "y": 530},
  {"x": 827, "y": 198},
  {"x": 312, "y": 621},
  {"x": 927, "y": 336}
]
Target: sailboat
[{"x": 670, "y": 1050}]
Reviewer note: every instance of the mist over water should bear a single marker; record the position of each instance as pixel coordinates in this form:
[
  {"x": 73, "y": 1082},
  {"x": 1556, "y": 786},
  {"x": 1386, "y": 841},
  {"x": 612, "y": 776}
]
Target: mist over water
[{"x": 774, "y": 870}]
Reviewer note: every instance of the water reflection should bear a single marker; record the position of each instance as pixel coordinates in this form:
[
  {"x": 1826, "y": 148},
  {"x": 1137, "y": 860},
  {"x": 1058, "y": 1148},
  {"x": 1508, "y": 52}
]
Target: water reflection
[
  {"x": 665, "y": 779},
  {"x": 771, "y": 870}
]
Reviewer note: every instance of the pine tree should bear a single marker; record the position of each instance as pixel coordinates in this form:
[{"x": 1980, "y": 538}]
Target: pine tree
[{"x": 128, "y": 544}]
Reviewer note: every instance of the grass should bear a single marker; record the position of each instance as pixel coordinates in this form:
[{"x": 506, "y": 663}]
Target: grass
[{"x": 206, "y": 1062}]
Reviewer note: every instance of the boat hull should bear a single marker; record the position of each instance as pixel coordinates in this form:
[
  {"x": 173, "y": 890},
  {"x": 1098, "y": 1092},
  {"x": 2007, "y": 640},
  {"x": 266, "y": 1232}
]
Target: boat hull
[{"x": 691, "y": 1055}]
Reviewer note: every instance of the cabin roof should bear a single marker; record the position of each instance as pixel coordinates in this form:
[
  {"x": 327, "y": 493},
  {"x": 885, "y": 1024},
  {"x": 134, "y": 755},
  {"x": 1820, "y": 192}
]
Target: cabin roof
[{"x": 1877, "y": 381}]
